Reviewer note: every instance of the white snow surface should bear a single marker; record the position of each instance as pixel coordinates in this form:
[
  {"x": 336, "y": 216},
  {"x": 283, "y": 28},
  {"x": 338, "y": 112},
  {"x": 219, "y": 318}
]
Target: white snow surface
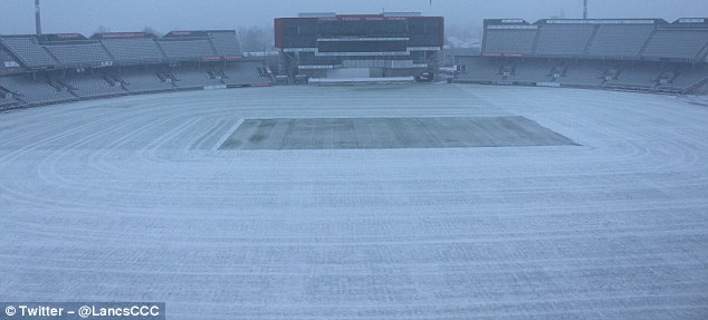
[{"x": 129, "y": 199}]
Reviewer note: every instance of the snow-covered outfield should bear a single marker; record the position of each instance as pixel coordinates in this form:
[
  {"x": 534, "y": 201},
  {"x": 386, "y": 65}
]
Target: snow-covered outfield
[{"x": 130, "y": 199}]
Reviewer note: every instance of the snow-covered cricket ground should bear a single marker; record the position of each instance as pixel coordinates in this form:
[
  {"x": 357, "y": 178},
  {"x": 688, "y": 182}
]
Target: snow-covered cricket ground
[{"x": 129, "y": 199}]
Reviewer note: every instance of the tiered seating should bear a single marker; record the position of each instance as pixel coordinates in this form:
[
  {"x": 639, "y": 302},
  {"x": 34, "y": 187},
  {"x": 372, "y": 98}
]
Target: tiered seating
[
  {"x": 642, "y": 76},
  {"x": 614, "y": 53},
  {"x": 478, "y": 69},
  {"x": 226, "y": 44},
  {"x": 631, "y": 39},
  {"x": 688, "y": 77},
  {"x": 8, "y": 64},
  {"x": 244, "y": 73},
  {"x": 676, "y": 44},
  {"x": 187, "y": 49},
  {"x": 192, "y": 77},
  {"x": 583, "y": 74},
  {"x": 127, "y": 51},
  {"x": 139, "y": 80},
  {"x": 91, "y": 53},
  {"x": 675, "y": 78},
  {"x": 702, "y": 90},
  {"x": 6, "y": 99},
  {"x": 533, "y": 71},
  {"x": 28, "y": 50},
  {"x": 69, "y": 66},
  {"x": 620, "y": 40},
  {"x": 510, "y": 40},
  {"x": 35, "y": 91},
  {"x": 92, "y": 85},
  {"x": 563, "y": 40}
]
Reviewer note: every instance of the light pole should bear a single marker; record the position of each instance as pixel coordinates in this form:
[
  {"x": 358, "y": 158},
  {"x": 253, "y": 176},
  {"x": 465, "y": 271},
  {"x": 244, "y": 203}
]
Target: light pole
[
  {"x": 585, "y": 9},
  {"x": 37, "y": 18}
]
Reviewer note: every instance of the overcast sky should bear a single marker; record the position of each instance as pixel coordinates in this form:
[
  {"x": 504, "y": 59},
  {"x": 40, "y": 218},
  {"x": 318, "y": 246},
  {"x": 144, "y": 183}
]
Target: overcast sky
[{"x": 86, "y": 16}]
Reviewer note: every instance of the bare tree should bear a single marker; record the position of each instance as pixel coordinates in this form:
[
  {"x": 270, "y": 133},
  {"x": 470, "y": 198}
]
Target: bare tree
[
  {"x": 102, "y": 29},
  {"x": 255, "y": 38},
  {"x": 150, "y": 30}
]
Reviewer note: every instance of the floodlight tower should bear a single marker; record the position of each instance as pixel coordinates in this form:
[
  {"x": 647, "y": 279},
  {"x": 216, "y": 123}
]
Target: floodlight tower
[
  {"x": 37, "y": 18},
  {"x": 585, "y": 9}
]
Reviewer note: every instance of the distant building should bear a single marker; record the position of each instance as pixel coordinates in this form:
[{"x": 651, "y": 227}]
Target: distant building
[{"x": 374, "y": 45}]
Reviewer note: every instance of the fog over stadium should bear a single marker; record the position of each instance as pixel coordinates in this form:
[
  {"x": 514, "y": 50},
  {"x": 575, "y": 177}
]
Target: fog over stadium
[{"x": 164, "y": 15}]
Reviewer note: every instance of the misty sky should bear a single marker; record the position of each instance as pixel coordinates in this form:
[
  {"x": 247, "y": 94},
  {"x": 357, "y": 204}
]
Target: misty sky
[{"x": 86, "y": 16}]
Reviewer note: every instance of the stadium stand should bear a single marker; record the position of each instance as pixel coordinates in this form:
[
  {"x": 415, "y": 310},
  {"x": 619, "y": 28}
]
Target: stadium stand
[
  {"x": 676, "y": 44},
  {"x": 563, "y": 40},
  {"x": 534, "y": 71},
  {"x": 645, "y": 76},
  {"x": 28, "y": 50},
  {"x": 7, "y": 100},
  {"x": 479, "y": 69},
  {"x": 225, "y": 44},
  {"x": 53, "y": 68},
  {"x": 187, "y": 49},
  {"x": 633, "y": 54},
  {"x": 702, "y": 90},
  {"x": 622, "y": 41},
  {"x": 133, "y": 50},
  {"x": 247, "y": 73},
  {"x": 93, "y": 85},
  {"x": 143, "y": 80},
  {"x": 80, "y": 54},
  {"x": 8, "y": 63},
  {"x": 194, "y": 77},
  {"x": 512, "y": 40},
  {"x": 583, "y": 74},
  {"x": 688, "y": 77},
  {"x": 640, "y": 76},
  {"x": 685, "y": 40},
  {"x": 630, "y": 54},
  {"x": 36, "y": 91}
]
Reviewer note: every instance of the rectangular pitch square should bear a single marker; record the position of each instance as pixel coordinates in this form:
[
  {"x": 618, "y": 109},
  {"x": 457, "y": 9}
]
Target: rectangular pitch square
[{"x": 391, "y": 133}]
